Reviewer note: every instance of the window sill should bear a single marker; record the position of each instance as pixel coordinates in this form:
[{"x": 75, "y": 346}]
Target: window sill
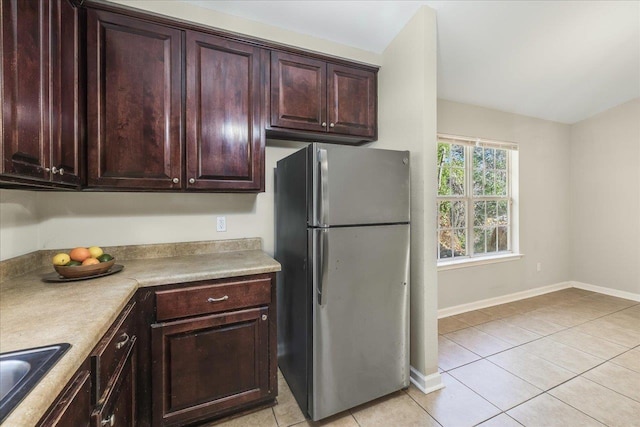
[{"x": 472, "y": 262}]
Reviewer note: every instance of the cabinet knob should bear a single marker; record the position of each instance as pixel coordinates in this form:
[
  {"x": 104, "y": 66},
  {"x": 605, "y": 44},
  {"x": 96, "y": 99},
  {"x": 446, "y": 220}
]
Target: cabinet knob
[
  {"x": 109, "y": 421},
  {"x": 192, "y": 180},
  {"x": 47, "y": 169},
  {"x": 331, "y": 125},
  {"x": 324, "y": 124},
  {"x": 61, "y": 171},
  {"x": 54, "y": 170},
  {"x": 176, "y": 180},
  {"x": 264, "y": 317}
]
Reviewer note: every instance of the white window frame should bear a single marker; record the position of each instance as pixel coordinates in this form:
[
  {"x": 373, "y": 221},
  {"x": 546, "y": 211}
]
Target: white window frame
[{"x": 468, "y": 198}]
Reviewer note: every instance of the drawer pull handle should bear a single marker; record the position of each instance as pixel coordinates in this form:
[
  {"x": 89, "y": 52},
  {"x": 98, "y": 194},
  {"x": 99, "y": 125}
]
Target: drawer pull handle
[
  {"x": 123, "y": 342},
  {"x": 224, "y": 298},
  {"x": 109, "y": 421}
]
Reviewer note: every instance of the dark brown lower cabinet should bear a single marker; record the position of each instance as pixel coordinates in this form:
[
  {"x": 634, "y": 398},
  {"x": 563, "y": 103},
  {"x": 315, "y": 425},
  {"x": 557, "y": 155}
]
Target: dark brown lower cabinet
[
  {"x": 73, "y": 407},
  {"x": 207, "y": 365},
  {"x": 118, "y": 408},
  {"x": 103, "y": 391}
]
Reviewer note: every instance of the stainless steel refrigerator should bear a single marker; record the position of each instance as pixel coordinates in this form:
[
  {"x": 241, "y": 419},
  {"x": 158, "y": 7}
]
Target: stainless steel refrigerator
[{"x": 342, "y": 237}]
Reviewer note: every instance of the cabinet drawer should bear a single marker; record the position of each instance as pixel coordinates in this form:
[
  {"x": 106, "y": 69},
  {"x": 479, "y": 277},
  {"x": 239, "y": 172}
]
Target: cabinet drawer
[
  {"x": 119, "y": 405},
  {"x": 111, "y": 350},
  {"x": 212, "y": 298}
]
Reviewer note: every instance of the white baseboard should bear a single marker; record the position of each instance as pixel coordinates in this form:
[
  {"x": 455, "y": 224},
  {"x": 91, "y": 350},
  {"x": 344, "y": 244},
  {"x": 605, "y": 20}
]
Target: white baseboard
[
  {"x": 426, "y": 383},
  {"x": 607, "y": 291},
  {"x": 476, "y": 305}
]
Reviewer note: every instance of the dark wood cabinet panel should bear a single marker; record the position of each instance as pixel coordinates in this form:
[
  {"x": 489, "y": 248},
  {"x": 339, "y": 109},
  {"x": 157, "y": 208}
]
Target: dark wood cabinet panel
[
  {"x": 134, "y": 104},
  {"x": 352, "y": 101},
  {"x": 67, "y": 93},
  {"x": 209, "y": 364},
  {"x": 73, "y": 407},
  {"x": 118, "y": 407},
  {"x": 212, "y": 297},
  {"x": 41, "y": 134},
  {"x": 213, "y": 363},
  {"x": 224, "y": 141},
  {"x": 298, "y": 92},
  {"x": 112, "y": 349},
  {"x": 311, "y": 99},
  {"x": 25, "y": 88}
]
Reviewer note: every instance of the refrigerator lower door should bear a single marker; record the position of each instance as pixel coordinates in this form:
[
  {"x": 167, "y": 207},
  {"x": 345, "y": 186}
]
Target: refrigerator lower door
[{"x": 360, "y": 316}]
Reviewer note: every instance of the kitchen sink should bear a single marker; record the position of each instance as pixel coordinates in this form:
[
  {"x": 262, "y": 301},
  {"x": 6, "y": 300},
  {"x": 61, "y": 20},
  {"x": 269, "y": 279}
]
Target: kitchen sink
[{"x": 21, "y": 370}]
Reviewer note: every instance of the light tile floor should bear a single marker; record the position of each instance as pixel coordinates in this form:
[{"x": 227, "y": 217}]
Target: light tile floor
[{"x": 569, "y": 358}]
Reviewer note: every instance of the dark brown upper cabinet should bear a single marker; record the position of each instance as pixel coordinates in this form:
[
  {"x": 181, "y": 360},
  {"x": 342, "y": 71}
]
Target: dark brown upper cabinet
[
  {"x": 224, "y": 138},
  {"x": 318, "y": 100},
  {"x": 134, "y": 103},
  {"x": 42, "y": 100}
]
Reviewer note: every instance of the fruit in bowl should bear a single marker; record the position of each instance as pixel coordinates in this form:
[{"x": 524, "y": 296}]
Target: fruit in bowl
[{"x": 81, "y": 262}]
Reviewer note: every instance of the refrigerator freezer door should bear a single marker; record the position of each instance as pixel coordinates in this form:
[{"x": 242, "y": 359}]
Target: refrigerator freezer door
[
  {"x": 353, "y": 186},
  {"x": 360, "y": 309}
]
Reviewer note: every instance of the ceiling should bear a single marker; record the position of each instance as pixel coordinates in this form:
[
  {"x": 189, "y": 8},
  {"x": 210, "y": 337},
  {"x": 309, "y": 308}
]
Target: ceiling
[{"x": 557, "y": 60}]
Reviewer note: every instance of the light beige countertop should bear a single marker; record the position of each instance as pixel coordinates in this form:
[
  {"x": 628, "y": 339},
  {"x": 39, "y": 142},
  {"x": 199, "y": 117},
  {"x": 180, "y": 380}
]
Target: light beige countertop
[{"x": 35, "y": 313}]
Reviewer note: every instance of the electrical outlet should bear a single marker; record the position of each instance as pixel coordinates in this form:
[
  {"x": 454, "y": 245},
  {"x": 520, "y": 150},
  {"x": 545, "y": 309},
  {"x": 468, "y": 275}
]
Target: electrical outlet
[
  {"x": 221, "y": 223},
  {"x": 539, "y": 267}
]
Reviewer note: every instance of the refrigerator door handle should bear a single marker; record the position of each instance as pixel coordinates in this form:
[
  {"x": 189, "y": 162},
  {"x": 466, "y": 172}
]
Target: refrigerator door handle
[
  {"x": 322, "y": 190},
  {"x": 323, "y": 259}
]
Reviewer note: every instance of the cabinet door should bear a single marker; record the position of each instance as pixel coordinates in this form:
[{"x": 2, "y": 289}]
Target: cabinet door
[
  {"x": 134, "y": 107},
  {"x": 298, "y": 92},
  {"x": 25, "y": 91},
  {"x": 207, "y": 365},
  {"x": 225, "y": 143},
  {"x": 67, "y": 110},
  {"x": 73, "y": 407},
  {"x": 352, "y": 101}
]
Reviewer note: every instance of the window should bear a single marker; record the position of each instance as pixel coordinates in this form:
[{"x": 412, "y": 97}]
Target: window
[{"x": 474, "y": 198}]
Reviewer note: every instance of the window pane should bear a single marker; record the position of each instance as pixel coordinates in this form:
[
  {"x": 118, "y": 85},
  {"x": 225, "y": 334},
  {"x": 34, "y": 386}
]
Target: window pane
[
  {"x": 444, "y": 243},
  {"x": 492, "y": 239},
  {"x": 478, "y": 160},
  {"x": 457, "y": 156},
  {"x": 444, "y": 187},
  {"x": 444, "y": 215},
  {"x": 491, "y": 213},
  {"x": 489, "y": 182},
  {"x": 457, "y": 182},
  {"x": 444, "y": 154},
  {"x": 478, "y": 182},
  {"x": 459, "y": 215},
  {"x": 460, "y": 242},
  {"x": 478, "y": 240},
  {"x": 489, "y": 158},
  {"x": 502, "y": 239},
  {"x": 503, "y": 217},
  {"x": 501, "y": 183},
  {"x": 501, "y": 159},
  {"x": 479, "y": 215}
]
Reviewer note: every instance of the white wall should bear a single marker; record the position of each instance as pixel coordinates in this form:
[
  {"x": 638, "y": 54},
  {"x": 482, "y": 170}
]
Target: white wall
[
  {"x": 192, "y": 13},
  {"x": 407, "y": 121},
  {"x": 543, "y": 197},
  {"x": 83, "y": 219},
  {"x": 18, "y": 223},
  {"x": 605, "y": 199}
]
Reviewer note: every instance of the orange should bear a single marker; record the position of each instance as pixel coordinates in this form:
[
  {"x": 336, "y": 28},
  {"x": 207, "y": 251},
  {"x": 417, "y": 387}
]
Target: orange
[
  {"x": 79, "y": 254},
  {"x": 90, "y": 261}
]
